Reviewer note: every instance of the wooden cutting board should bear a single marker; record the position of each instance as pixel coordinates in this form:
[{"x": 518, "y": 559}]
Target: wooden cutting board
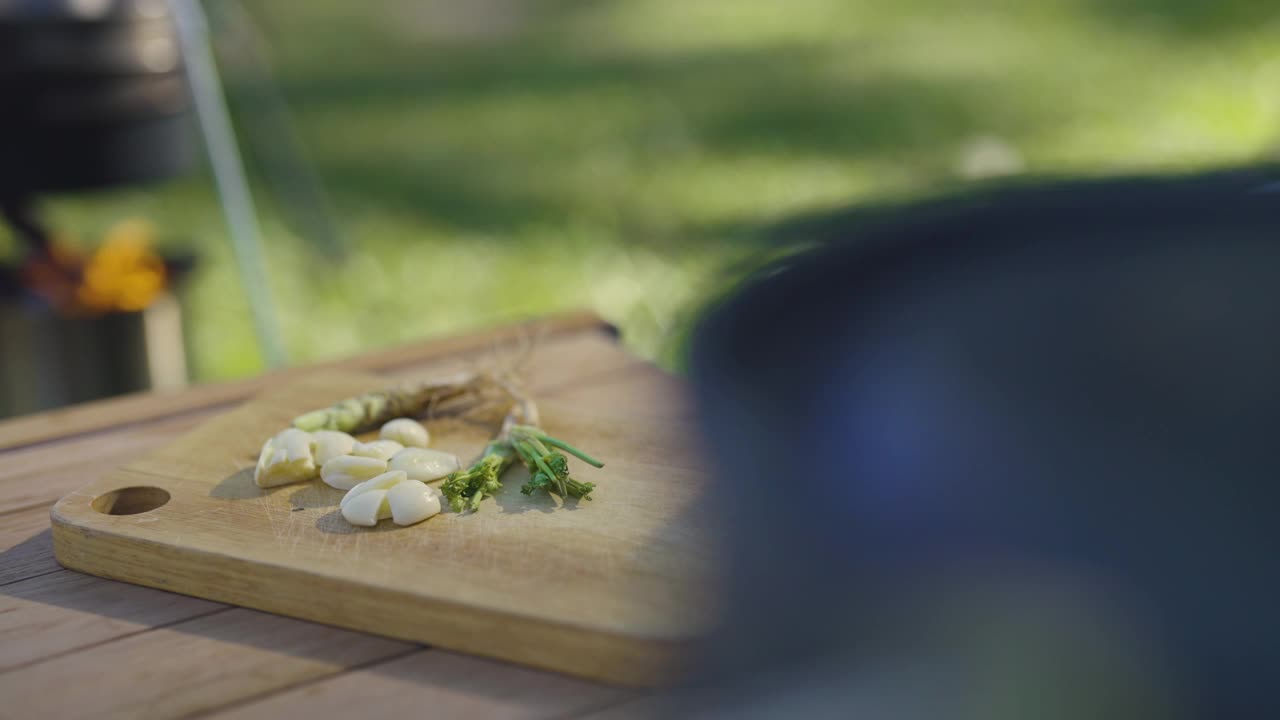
[{"x": 610, "y": 589}]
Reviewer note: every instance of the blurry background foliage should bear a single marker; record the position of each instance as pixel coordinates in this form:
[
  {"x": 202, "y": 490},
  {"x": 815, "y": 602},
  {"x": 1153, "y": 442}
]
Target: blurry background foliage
[{"x": 498, "y": 158}]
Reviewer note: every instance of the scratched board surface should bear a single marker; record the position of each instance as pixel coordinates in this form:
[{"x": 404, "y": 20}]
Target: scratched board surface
[{"x": 611, "y": 588}]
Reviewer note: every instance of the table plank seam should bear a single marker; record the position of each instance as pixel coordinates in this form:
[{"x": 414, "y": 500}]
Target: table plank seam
[
  {"x": 32, "y": 577},
  {"x": 251, "y": 699},
  {"x": 107, "y": 641},
  {"x": 142, "y": 421},
  {"x": 24, "y": 508},
  {"x": 588, "y": 712}
]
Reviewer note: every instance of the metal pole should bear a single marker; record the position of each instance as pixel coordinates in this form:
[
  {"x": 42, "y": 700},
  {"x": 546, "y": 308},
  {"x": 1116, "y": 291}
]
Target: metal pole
[
  {"x": 267, "y": 132},
  {"x": 228, "y": 174}
]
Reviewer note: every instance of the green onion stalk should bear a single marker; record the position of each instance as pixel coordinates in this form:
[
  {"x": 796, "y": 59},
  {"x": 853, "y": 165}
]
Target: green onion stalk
[
  {"x": 548, "y": 466},
  {"x": 370, "y": 410},
  {"x": 465, "y": 489},
  {"x": 543, "y": 455}
]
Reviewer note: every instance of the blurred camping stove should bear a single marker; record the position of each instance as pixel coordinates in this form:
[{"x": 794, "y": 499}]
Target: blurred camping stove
[
  {"x": 95, "y": 97},
  {"x": 81, "y": 326}
]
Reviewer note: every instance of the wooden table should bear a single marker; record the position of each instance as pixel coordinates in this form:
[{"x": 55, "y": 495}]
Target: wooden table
[{"x": 72, "y": 645}]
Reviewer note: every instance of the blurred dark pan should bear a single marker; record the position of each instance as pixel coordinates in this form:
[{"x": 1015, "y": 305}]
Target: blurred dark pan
[{"x": 1048, "y": 403}]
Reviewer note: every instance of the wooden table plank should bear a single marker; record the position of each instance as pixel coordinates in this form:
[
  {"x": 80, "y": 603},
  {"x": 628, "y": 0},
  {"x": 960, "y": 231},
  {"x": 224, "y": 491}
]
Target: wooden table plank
[
  {"x": 189, "y": 667},
  {"x": 119, "y": 443},
  {"x": 643, "y": 707},
  {"x": 89, "y": 417},
  {"x": 55, "y": 613},
  {"x": 36, "y": 476},
  {"x": 26, "y": 549},
  {"x": 436, "y": 684}
]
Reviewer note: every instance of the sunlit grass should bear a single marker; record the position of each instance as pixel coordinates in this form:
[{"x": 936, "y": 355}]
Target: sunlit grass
[{"x": 617, "y": 155}]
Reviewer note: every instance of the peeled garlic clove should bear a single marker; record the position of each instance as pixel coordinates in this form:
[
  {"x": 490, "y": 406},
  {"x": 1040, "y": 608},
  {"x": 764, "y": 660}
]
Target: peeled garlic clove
[
  {"x": 385, "y": 481},
  {"x": 409, "y": 433},
  {"x": 425, "y": 465},
  {"x": 347, "y": 471},
  {"x": 264, "y": 456},
  {"x": 412, "y": 501},
  {"x": 329, "y": 444},
  {"x": 285, "y": 458},
  {"x": 388, "y": 479},
  {"x": 380, "y": 449},
  {"x": 364, "y": 509}
]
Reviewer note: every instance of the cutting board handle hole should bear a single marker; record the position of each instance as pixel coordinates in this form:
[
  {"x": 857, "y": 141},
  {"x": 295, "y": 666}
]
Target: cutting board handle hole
[{"x": 130, "y": 500}]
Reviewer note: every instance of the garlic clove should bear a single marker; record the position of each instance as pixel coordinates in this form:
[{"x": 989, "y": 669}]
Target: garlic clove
[
  {"x": 412, "y": 501},
  {"x": 263, "y": 456},
  {"x": 385, "y": 481},
  {"x": 296, "y": 443},
  {"x": 347, "y": 471},
  {"x": 423, "y": 464},
  {"x": 388, "y": 480},
  {"x": 409, "y": 433},
  {"x": 329, "y": 444},
  {"x": 364, "y": 509},
  {"x": 380, "y": 449},
  {"x": 285, "y": 458}
]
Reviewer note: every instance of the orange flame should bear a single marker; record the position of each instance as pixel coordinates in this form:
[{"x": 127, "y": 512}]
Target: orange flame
[{"x": 123, "y": 275}]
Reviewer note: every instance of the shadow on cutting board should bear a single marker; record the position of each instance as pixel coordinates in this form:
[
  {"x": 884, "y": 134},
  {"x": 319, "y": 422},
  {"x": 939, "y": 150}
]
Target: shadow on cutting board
[{"x": 240, "y": 486}]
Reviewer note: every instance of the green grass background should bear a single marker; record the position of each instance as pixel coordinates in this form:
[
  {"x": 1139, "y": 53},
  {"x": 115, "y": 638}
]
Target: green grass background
[{"x": 500, "y": 158}]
